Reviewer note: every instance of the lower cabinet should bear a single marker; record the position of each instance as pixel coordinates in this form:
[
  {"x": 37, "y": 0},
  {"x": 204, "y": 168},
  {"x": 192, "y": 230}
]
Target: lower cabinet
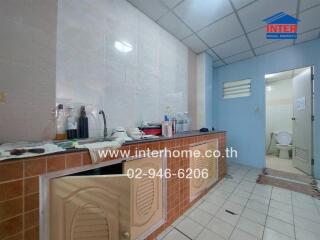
[
  {"x": 205, "y": 161},
  {"x": 213, "y": 160},
  {"x": 90, "y": 207},
  {"x": 197, "y": 164},
  {"x": 107, "y": 206},
  {"x": 147, "y": 205}
]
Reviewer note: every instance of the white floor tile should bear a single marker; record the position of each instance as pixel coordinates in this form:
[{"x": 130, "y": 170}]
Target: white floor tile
[
  {"x": 217, "y": 200},
  {"x": 260, "y": 199},
  {"x": 304, "y": 204},
  {"x": 317, "y": 202},
  {"x": 228, "y": 187},
  {"x": 281, "y": 215},
  {"x": 200, "y": 216},
  {"x": 302, "y": 234},
  {"x": 263, "y": 188},
  {"x": 209, "y": 207},
  {"x": 301, "y": 197},
  {"x": 253, "y": 228},
  {"x": 241, "y": 235},
  {"x": 234, "y": 207},
  {"x": 220, "y": 227},
  {"x": 246, "y": 186},
  {"x": 206, "y": 234},
  {"x": 252, "y": 179},
  {"x": 307, "y": 225},
  {"x": 258, "y": 206},
  {"x": 220, "y": 194},
  {"x": 280, "y": 226},
  {"x": 254, "y": 216},
  {"x": 270, "y": 234},
  {"x": 227, "y": 217},
  {"x": 281, "y": 198},
  {"x": 241, "y": 193},
  {"x": 281, "y": 195},
  {"x": 261, "y": 211},
  {"x": 281, "y": 206},
  {"x": 238, "y": 199},
  {"x": 175, "y": 235},
  {"x": 190, "y": 228},
  {"x": 312, "y": 215}
]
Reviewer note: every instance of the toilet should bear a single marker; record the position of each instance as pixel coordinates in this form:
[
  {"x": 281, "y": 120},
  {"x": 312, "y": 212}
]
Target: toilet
[{"x": 284, "y": 140}]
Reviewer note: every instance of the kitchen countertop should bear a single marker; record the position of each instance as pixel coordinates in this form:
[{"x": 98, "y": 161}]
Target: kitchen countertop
[{"x": 160, "y": 138}]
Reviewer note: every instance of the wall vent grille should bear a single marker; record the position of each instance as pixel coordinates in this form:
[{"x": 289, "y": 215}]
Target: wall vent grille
[{"x": 237, "y": 89}]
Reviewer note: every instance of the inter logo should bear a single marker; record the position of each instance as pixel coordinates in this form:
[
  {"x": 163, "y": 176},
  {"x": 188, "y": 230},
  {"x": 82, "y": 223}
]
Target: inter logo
[{"x": 281, "y": 26}]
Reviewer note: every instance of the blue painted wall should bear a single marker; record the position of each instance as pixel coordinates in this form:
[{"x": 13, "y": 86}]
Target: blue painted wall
[{"x": 244, "y": 118}]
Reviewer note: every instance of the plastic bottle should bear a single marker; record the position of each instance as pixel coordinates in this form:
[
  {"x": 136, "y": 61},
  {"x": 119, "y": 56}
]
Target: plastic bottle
[
  {"x": 83, "y": 123},
  {"x": 186, "y": 122},
  {"x": 168, "y": 114},
  {"x": 61, "y": 123},
  {"x": 72, "y": 125}
]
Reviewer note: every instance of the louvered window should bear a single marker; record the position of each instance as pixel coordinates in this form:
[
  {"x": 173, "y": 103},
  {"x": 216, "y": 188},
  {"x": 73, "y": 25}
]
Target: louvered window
[{"x": 236, "y": 89}]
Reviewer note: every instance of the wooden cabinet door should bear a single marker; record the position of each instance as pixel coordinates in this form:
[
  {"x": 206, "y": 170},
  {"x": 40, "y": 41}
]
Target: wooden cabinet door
[
  {"x": 147, "y": 197},
  {"x": 212, "y": 162},
  {"x": 90, "y": 208},
  {"x": 198, "y": 185}
]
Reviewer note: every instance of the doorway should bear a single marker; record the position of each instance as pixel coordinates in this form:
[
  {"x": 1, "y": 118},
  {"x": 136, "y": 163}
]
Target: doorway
[{"x": 289, "y": 119}]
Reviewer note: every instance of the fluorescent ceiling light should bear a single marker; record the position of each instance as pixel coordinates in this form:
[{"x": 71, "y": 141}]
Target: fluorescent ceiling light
[{"x": 123, "y": 46}]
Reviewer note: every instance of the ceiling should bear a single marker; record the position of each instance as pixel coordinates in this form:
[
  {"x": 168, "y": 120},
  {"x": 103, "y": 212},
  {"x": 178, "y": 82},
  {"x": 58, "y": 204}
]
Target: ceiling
[
  {"x": 230, "y": 30},
  {"x": 273, "y": 77}
]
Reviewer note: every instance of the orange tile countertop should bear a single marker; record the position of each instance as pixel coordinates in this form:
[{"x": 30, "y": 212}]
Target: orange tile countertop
[{"x": 19, "y": 182}]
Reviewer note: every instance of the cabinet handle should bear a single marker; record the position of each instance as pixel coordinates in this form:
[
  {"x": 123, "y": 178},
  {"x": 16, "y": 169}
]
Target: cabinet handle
[{"x": 126, "y": 235}]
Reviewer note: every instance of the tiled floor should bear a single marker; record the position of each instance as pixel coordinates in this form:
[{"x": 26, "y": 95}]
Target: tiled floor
[
  {"x": 255, "y": 212},
  {"x": 285, "y": 165}
]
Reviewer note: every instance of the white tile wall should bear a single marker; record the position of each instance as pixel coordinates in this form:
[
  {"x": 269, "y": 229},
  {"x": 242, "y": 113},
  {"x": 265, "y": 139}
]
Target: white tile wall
[
  {"x": 130, "y": 87},
  {"x": 27, "y": 68}
]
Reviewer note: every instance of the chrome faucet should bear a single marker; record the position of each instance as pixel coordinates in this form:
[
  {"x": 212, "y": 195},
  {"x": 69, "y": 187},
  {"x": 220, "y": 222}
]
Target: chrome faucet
[{"x": 105, "y": 130}]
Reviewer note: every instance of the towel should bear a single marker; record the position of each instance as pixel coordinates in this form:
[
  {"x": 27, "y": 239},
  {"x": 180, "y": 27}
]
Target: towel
[{"x": 95, "y": 148}]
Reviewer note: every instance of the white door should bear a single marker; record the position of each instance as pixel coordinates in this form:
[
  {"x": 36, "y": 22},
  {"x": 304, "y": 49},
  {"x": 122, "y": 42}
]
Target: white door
[{"x": 302, "y": 121}]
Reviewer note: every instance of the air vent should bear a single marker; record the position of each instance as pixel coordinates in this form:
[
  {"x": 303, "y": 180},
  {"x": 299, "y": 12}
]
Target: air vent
[{"x": 237, "y": 89}]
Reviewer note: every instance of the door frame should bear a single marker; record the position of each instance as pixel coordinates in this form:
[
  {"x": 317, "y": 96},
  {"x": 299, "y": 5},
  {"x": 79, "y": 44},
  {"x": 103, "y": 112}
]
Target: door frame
[
  {"x": 44, "y": 193},
  {"x": 313, "y": 110}
]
